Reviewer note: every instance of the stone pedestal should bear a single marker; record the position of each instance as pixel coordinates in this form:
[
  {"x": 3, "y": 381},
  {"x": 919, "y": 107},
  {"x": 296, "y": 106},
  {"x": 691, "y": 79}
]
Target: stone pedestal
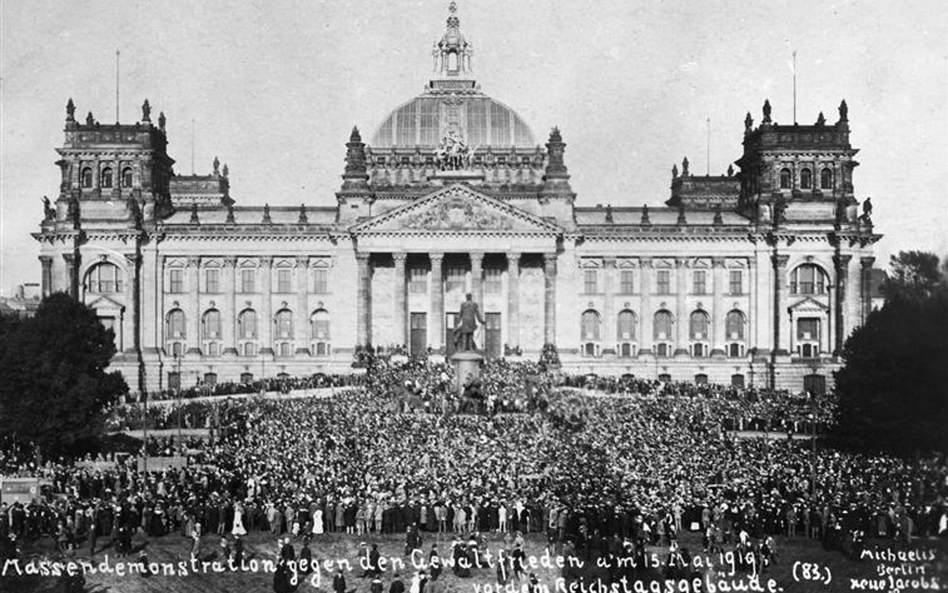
[{"x": 467, "y": 366}]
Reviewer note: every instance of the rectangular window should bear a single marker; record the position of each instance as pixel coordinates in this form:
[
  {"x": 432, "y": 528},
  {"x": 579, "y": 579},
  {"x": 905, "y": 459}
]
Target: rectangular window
[
  {"x": 626, "y": 282},
  {"x": 492, "y": 280},
  {"x": 808, "y": 329},
  {"x": 212, "y": 280},
  {"x": 664, "y": 282},
  {"x": 736, "y": 282},
  {"x": 455, "y": 278},
  {"x": 320, "y": 281},
  {"x": 284, "y": 280},
  {"x": 418, "y": 280},
  {"x": 176, "y": 281},
  {"x": 247, "y": 280},
  {"x": 590, "y": 284},
  {"x": 700, "y": 287}
]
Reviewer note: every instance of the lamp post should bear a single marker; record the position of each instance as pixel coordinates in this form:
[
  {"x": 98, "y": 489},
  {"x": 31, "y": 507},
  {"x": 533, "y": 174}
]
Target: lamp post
[{"x": 177, "y": 394}]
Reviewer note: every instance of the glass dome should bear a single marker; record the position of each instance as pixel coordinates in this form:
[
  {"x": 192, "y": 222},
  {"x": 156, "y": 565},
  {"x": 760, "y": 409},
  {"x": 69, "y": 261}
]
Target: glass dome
[{"x": 480, "y": 120}]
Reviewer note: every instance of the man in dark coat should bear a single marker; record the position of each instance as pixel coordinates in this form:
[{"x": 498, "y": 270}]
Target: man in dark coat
[
  {"x": 468, "y": 318},
  {"x": 339, "y": 582}
]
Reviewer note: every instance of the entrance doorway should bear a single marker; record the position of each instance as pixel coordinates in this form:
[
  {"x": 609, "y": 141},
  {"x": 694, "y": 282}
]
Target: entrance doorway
[
  {"x": 419, "y": 333},
  {"x": 492, "y": 337},
  {"x": 450, "y": 322}
]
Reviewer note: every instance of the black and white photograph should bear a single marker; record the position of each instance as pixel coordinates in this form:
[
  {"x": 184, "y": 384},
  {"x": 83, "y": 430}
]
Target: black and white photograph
[{"x": 473, "y": 296}]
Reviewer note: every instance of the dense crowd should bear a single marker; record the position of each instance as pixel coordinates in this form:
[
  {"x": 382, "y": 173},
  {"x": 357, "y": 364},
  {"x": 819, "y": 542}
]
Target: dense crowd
[{"x": 580, "y": 467}]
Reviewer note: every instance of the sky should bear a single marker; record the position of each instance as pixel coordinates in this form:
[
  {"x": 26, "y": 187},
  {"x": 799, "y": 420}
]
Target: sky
[{"x": 273, "y": 87}]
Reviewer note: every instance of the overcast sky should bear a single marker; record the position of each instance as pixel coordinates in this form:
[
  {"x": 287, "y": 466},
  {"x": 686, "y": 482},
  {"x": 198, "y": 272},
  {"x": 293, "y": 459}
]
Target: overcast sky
[{"x": 273, "y": 88}]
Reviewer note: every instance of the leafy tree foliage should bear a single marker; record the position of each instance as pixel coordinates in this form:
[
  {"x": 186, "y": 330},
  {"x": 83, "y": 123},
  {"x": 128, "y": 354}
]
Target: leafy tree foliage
[
  {"x": 53, "y": 382},
  {"x": 893, "y": 391}
]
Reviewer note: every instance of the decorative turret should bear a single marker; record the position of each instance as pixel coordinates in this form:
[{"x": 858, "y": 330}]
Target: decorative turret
[
  {"x": 451, "y": 55},
  {"x": 556, "y": 187},
  {"x": 356, "y": 196},
  {"x": 797, "y": 172}
]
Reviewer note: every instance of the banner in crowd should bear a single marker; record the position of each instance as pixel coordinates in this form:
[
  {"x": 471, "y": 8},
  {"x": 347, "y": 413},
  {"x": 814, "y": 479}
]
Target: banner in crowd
[
  {"x": 157, "y": 464},
  {"x": 22, "y": 490}
]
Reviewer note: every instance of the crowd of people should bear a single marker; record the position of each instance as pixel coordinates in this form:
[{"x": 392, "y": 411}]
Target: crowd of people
[{"x": 641, "y": 462}]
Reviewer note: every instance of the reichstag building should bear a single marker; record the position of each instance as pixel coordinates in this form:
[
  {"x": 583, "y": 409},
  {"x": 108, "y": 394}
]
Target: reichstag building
[{"x": 753, "y": 277}]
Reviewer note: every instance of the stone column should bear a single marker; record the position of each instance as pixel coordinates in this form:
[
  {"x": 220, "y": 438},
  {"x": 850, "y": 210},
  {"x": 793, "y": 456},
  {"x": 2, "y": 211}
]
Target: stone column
[
  {"x": 549, "y": 298},
  {"x": 229, "y": 312},
  {"x": 477, "y": 274},
  {"x": 151, "y": 289},
  {"x": 513, "y": 298},
  {"x": 130, "y": 316},
  {"x": 436, "y": 335},
  {"x": 781, "y": 316},
  {"x": 866, "y": 296},
  {"x": 47, "y": 275},
  {"x": 718, "y": 314},
  {"x": 607, "y": 330},
  {"x": 363, "y": 302},
  {"x": 194, "y": 305},
  {"x": 645, "y": 313},
  {"x": 401, "y": 299},
  {"x": 842, "y": 274},
  {"x": 72, "y": 274},
  {"x": 266, "y": 306},
  {"x": 302, "y": 308},
  {"x": 681, "y": 312}
]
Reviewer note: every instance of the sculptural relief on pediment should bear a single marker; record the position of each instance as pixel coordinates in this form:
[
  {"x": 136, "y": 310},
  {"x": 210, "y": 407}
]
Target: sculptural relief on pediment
[{"x": 456, "y": 214}]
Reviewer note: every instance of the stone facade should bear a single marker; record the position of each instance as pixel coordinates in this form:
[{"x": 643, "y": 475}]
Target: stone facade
[{"x": 754, "y": 277}]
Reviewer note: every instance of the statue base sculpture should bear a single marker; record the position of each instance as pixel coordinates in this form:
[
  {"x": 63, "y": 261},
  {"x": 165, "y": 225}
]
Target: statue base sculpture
[{"x": 467, "y": 367}]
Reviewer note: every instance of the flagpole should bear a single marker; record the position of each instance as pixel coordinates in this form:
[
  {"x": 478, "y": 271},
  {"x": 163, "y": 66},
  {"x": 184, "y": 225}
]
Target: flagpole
[
  {"x": 708, "y": 156},
  {"x": 794, "y": 86},
  {"x": 117, "y": 86}
]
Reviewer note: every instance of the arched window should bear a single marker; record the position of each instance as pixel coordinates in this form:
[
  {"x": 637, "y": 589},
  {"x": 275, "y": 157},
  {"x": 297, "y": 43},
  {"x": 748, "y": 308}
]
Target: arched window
[
  {"x": 319, "y": 332},
  {"x": 284, "y": 324},
  {"x": 590, "y": 326},
  {"x": 319, "y": 324},
  {"x": 735, "y": 326},
  {"x": 211, "y": 324},
  {"x": 247, "y": 325},
  {"x": 87, "y": 177},
  {"x": 127, "y": 177},
  {"x": 785, "y": 178},
  {"x": 662, "y": 325},
  {"x": 826, "y": 179},
  {"x": 176, "y": 324},
  {"x": 107, "y": 178},
  {"x": 104, "y": 278},
  {"x": 808, "y": 279},
  {"x": 699, "y": 325},
  {"x": 625, "y": 328},
  {"x": 806, "y": 179}
]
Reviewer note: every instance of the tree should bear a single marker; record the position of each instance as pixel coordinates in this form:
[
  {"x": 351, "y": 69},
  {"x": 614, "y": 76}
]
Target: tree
[
  {"x": 893, "y": 389},
  {"x": 53, "y": 383}
]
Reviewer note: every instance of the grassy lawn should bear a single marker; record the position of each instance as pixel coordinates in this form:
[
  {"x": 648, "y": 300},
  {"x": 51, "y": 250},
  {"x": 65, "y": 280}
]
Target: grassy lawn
[{"x": 332, "y": 547}]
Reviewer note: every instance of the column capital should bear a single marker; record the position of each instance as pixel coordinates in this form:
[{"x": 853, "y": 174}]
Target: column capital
[
  {"x": 645, "y": 262},
  {"x": 609, "y": 262},
  {"x": 549, "y": 263},
  {"x": 46, "y": 260},
  {"x": 476, "y": 256},
  {"x": 779, "y": 260},
  {"x": 194, "y": 262},
  {"x": 70, "y": 258},
  {"x": 230, "y": 262},
  {"x": 400, "y": 257},
  {"x": 436, "y": 256},
  {"x": 132, "y": 258},
  {"x": 514, "y": 255},
  {"x": 717, "y": 262},
  {"x": 681, "y": 262},
  {"x": 363, "y": 256},
  {"x": 302, "y": 261},
  {"x": 867, "y": 262},
  {"x": 842, "y": 261}
]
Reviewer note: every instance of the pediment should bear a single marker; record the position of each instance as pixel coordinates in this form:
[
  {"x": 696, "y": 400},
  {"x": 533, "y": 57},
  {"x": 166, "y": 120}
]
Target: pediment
[
  {"x": 104, "y": 303},
  {"x": 809, "y": 305},
  {"x": 455, "y": 209}
]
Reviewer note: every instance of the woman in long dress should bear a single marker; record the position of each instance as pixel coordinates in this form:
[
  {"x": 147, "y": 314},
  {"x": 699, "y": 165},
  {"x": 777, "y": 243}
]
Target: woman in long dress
[
  {"x": 238, "y": 529},
  {"x": 318, "y": 522}
]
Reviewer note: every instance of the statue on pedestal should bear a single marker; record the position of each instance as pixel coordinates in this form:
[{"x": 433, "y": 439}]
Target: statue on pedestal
[{"x": 469, "y": 316}]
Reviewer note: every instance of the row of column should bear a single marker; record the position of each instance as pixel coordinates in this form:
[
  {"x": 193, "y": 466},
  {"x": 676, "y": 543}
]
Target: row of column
[{"x": 365, "y": 297}]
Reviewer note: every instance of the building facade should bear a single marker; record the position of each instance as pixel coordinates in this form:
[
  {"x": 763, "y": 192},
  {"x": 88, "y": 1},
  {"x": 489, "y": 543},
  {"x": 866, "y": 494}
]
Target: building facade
[{"x": 753, "y": 277}]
